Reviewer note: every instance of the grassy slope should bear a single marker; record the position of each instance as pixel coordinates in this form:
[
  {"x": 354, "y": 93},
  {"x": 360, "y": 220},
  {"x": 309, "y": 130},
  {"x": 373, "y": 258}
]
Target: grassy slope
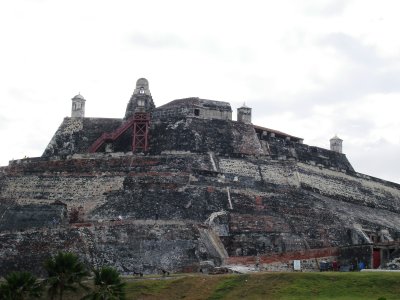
[{"x": 271, "y": 286}]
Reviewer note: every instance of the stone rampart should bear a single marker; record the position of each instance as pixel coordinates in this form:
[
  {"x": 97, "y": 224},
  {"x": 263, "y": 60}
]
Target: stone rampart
[
  {"x": 271, "y": 207},
  {"x": 368, "y": 192},
  {"x": 129, "y": 247},
  {"x": 286, "y": 257}
]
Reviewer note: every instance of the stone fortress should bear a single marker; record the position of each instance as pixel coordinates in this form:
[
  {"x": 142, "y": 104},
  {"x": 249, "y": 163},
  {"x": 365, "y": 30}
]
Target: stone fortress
[{"x": 182, "y": 187}]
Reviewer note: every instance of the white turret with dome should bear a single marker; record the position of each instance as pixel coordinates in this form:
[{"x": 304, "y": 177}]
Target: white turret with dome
[
  {"x": 78, "y": 107},
  {"x": 244, "y": 114},
  {"x": 336, "y": 144}
]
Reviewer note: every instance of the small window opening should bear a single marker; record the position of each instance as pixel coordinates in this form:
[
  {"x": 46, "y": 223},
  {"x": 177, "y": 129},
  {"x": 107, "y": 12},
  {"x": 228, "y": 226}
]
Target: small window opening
[
  {"x": 141, "y": 91},
  {"x": 140, "y": 102},
  {"x": 197, "y": 112}
]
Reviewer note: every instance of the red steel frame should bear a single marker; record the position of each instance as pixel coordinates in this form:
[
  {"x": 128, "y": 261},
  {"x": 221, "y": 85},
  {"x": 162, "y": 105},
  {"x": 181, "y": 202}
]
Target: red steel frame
[
  {"x": 139, "y": 123},
  {"x": 140, "y": 132}
]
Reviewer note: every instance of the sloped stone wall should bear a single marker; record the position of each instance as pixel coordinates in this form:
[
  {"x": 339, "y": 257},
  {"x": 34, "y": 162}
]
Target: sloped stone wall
[
  {"x": 272, "y": 207},
  {"x": 357, "y": 189},
  {"x": 144, "y": 247}
]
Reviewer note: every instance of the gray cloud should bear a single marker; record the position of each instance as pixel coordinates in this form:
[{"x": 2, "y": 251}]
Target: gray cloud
[
  {"x": 4, "y": 121},
  {"x": 205, "y": 46},
  {"x": 21, "y": 94},
  {"x": 328, "y": 9},
  {"x": 354, "y": 84},
  {"x": 351, "y": 48},
  {"x": 353, "y": 126},
  {"x": 365, "y": 74},
  {"x": 334, "y": 7},
  {"x": 379, "y": 159},
  {"x": 157, "y": 41}
]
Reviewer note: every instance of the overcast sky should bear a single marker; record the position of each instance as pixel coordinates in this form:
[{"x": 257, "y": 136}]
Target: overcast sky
[{"x": 309, "y": 68}]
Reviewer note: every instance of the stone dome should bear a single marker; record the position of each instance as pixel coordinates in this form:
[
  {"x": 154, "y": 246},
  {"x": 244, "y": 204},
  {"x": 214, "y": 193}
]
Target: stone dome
[
  {"x": 142, "y": 82},
  {"x": 336, "y": 138},
  {"x": 79, "y": 96}
]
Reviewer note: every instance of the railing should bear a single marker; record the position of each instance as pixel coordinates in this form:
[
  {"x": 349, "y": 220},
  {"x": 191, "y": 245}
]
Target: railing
[{"x": 110, "y": 137}]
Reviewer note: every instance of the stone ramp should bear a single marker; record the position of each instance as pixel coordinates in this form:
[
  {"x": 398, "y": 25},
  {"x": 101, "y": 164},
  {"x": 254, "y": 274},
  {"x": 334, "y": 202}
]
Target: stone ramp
[{"x": 213, "y": 243}]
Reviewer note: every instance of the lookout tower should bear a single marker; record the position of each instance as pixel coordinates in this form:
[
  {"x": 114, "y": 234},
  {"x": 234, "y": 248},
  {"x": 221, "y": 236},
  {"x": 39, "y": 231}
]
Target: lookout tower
[
  {"x": 137, "y": 120},
  {"x": 78, "y": 107},
  {"x": 141, "y": 100},
  {"x": 336, "y": 144},
  {"x": 244, "y": 114}
]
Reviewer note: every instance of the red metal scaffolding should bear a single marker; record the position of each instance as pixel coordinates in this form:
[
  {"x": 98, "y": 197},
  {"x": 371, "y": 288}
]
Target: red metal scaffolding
[
  {"x": 139, "y": 123},
  {"x": 140, "y": 132}
]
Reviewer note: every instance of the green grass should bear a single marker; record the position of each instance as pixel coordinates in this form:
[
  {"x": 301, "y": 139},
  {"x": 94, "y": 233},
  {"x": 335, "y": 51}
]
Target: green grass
[
  {"x": 286, "y": 286},
  {"x": 271, "y": 286},
  {"x": 146, "y": 288},
  {"x": 226, "y": 286},
  {"x": 341, "y": 286}
]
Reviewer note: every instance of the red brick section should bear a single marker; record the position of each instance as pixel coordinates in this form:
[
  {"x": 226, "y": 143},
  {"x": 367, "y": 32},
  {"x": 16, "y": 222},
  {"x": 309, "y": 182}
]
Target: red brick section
[
  {"x": 41, "y": 165},
  {"x": 81, "y": 225},
  {"x": 282, "y": 257},
  {"x": 210, "y": 189},
  {"x": 190, "y": 269},
  {"x": 250, "y": 223}
]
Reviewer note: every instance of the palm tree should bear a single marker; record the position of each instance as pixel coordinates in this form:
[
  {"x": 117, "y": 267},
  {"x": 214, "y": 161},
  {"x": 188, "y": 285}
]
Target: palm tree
[
  {"x": 108, "y": 285},
  {"x": 19, "y": 286},
  {"x": 66, "y": 273}
]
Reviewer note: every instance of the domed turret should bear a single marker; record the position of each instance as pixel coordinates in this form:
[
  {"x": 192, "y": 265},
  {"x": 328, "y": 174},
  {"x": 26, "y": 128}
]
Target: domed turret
[
  {"x": 142, "y": 87},
  {"x": 244, "y": 114},
  {"x": 141, "y": 100},
  {"x": 78, "y": 106},
  {"x": 336, "y": 144}
]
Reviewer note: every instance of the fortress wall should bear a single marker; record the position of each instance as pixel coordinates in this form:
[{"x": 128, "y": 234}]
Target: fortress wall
[
  {"x": 287, "y": 257},
  {"x": 164, "y": 201},
  {"x": 84, "y": 165},
  {"x": 86, "y": 191},
  {"x": 75, "y": 135},
  {"x": 356, "y": 188},
  {"x": 63, "y": 140},
  {"x": 283, "y": 220},
  {"x": 3, "y": 171},
  {"x": 363, "y": 191},
  {"x": 165, "y": 114},
  {"x": 273, "y": 210},
  {"x": 198, "y": 135},
  {"x": 245, "y": 140},
  {"x": 248, "y": 222},
  {"x": 107, "y": 164},
  {"x": 239, "y": 167},
  {"x": 283, "y": 149},
  {"x": 15, "y": 218},
  {"x": 129, "y": 247},
  {"x": 115, "y": 181},
  {"x": 280, "y": 173}
]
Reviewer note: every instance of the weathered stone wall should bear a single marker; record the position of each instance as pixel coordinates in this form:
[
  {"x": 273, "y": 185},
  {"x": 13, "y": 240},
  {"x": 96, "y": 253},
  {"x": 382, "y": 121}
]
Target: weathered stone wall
[
  {"x": 87, "y": 191},
  {"x": 198, "y": 135},
  {"x": 358, "y": 189},
  {"x": 129, "y": 246},
  {"x": 193, "y": 107},
  {"x": 273, "y": 206},
  {"x": 22, "y": 217},
  {"x": 174, "y": 112},
  {"x": 193, "y": 134},
  {"x": 75, "y": 135},
  {"x": 282, "y": 149}
]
